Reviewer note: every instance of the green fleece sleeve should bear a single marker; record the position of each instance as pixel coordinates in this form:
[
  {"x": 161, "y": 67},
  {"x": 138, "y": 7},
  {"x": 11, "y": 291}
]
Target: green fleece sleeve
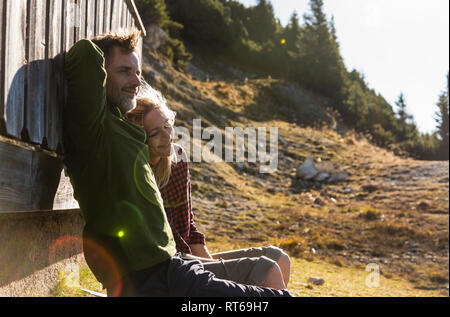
[{"x": 84, "y": 68}]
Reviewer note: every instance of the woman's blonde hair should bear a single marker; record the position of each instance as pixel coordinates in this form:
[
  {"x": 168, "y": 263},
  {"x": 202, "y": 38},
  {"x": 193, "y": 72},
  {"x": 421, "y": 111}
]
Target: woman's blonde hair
[{"x": 147, "y": 100}]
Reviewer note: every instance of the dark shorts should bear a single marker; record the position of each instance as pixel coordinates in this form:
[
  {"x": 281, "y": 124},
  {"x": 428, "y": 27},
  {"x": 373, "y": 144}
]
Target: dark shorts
[{"x": 181, "y": 278}]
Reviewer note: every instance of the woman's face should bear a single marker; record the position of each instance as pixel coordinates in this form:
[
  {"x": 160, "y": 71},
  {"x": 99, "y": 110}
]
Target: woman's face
[{"x": 159, "y": 132}]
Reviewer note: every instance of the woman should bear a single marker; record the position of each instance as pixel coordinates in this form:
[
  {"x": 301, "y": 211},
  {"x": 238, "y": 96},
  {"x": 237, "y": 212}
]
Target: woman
[{"x": 264, "y": 266}]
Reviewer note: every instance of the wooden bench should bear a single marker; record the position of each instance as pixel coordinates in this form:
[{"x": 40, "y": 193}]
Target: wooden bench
[{"x": 40, "y": 221}]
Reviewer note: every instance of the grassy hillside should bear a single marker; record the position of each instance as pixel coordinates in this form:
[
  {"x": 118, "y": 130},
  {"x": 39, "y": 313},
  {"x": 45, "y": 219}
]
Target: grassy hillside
[{"x": 391, "y": 211}]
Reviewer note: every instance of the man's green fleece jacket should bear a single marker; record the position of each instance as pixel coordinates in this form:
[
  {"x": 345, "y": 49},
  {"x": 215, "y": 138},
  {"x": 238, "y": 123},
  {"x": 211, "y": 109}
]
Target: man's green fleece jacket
[{"x": 107, "y": 160}]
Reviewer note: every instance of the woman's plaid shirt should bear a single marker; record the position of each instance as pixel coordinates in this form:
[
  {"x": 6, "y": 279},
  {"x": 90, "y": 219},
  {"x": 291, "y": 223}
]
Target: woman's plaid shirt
[{"x": 177, "y": 203}]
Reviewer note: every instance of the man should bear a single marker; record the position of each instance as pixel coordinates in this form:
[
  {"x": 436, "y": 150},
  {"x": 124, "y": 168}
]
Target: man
[{"x": 127, "y": 240}]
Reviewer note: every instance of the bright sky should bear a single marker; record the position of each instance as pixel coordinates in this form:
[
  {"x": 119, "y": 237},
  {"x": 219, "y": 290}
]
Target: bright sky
[{"x": 399, "y": 45}]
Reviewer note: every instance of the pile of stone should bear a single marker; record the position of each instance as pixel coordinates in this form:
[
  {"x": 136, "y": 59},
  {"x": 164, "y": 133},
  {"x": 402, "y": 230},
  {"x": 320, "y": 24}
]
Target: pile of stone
[{"x": 309, "y": 171}]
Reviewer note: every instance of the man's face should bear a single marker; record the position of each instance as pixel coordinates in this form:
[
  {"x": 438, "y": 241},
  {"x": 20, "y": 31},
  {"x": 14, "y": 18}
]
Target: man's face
[{"x": 123, "y": 80}]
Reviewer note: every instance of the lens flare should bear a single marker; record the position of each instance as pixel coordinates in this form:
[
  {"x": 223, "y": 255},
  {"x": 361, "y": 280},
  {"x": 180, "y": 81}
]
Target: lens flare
[{"x": 98, "y": 254}]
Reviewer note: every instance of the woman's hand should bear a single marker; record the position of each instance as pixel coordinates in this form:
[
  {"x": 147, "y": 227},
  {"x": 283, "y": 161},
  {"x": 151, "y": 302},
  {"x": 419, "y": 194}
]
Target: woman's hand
[{"x": 201, "y": 251}]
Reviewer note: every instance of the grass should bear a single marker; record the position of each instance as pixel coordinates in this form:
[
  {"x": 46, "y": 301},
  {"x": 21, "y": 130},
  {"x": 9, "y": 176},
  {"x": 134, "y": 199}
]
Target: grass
[
  {"x": 347, "y": 282},
  {"x": 340, "y": 281},
  {"x": 370, "y": 214},
  {"x": 70, "y": 283}
]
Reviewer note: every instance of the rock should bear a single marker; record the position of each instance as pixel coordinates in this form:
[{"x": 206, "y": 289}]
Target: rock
[
  {"x": 307, "y": 170},
  {"x": 316, "y": 281},
  {"x": 321, "y": 176},
  {"x": 370, "y": 188},
  {"x": 260, "y": 183},
  {"x": 331, "y": 211},
  {"x": 318, "y": 201},
  {"x": 423, "y": 206},
  {"x": 320, "y": 173},
  {"x": 347, "y": 190},
  {"x": 155, "y": 37},
  {"x": 338, "y": 177}
]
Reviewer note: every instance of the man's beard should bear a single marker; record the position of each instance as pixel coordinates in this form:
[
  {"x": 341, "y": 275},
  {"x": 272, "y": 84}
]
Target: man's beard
[{"x": 126, "y": 104}]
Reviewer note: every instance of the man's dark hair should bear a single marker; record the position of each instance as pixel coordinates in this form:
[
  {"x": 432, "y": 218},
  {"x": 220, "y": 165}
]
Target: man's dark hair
[{"x": 126, "y": 40}]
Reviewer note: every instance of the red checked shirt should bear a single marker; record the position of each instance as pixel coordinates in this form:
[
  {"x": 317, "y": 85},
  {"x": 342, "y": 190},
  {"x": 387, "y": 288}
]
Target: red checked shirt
[{"x": 177, "y": 203}]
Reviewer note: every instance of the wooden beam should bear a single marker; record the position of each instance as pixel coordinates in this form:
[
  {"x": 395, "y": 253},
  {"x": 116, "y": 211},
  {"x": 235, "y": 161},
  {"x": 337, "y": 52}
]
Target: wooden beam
[
  {"x": 32, "y": 179},
  {"x": 136, "y": 16}
]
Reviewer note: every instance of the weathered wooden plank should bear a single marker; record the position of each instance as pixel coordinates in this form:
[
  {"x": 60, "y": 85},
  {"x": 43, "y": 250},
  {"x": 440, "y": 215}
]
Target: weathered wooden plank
[
  {"x": 123, "y": 18},
  {"x": 137, "y": 19},
  {"x": 54, "y": 83},
  {"x": 69, "y": 23},
  {"x": 83, "y": 15},
  {"x": 90, "y": 19},
  {"x": 28, "y": 178},
  {"x": 14, "y": 89},
  {"x": 132, "y": 22},
  {"x": 2, "y": 75},
  {"x": 36, "y": 71},
  {"x": 78, "y": 14},
  {"x": 106, "y": 15},
  {"x": 120, "y": 5},
  {"x": 129, "y": 20},
  {"x": 116, "y": 13},
  {"x": 99, "y": 25}
]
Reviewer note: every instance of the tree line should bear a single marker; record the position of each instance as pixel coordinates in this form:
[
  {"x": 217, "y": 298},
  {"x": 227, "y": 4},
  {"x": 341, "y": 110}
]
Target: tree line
[{"x": 307, "y": 54}]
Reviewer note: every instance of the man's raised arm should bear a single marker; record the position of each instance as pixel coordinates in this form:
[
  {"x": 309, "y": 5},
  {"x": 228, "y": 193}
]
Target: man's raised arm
[{"x": 85, "y": 72}]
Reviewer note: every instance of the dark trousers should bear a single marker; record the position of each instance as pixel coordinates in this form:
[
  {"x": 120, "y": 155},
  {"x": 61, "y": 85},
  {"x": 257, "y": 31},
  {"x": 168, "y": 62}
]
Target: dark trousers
[{"x": 181, "y": 278}]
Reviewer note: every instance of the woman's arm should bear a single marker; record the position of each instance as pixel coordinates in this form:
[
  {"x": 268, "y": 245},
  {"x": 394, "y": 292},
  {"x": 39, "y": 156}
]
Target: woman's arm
[{"x": 200, "y": 250}]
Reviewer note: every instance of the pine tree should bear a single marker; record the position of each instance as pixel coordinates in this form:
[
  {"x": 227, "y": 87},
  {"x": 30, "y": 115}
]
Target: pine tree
[
  {"x": 261, "y": 24},
  {"x": 403, "y": 117},
  {"x": 442, "y": 120},
  {"x": 317, "y": 19},
  {"x": 292, "y": 33},
  {"x": 321, "y": 66},
  {"x": 333, "y": 29}
]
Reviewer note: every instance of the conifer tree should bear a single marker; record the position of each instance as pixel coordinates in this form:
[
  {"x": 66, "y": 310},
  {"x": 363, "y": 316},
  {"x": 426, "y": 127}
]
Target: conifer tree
[
  {"x": 333, "y": 29},
  {"x": 442, "y": 120},
  {"x": 292, "y": 33},
  {"x": 403, "y": 117},
  {"x": 322, "y": 68},
  {"x": 261, "y": 24}
]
